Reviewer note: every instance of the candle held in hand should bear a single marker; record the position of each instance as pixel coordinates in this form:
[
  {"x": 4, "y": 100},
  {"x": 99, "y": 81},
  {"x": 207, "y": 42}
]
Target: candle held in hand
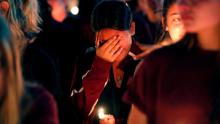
[{"x": 101, "y": 113}]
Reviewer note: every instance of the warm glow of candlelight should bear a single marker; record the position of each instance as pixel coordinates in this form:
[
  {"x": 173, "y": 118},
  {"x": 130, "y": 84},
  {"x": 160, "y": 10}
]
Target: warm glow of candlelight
[
  {"x": 74, "y": 10},
  {"x": 101, "y": 113}
]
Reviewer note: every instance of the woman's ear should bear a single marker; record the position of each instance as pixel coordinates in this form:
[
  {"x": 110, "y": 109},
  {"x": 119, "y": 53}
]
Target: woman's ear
[
  {"x": 132, "y": 28},
  {"x": 163, "y": 21}
]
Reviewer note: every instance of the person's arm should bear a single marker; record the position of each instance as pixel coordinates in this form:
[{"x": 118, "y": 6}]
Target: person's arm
[
  {"x": 147, "y": 49},
  {"x": 96, "y": 78},
  {"x": 136, "y": 116},
  {"x": 94, "y": 81}
]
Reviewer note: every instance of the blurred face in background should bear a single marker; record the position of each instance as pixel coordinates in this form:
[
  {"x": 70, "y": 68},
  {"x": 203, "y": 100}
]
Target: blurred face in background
[
  {"x": 198, "y": 15},
  {"x": 174, "y": 24},
  {"x": 58, "y": 7},
  {"x": 4, "y": 6},
  {"x": 125, "y": 40}
]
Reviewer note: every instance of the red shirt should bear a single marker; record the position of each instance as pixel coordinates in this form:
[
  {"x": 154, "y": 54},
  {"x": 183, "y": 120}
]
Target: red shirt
[{"x": 175, "y": 85}]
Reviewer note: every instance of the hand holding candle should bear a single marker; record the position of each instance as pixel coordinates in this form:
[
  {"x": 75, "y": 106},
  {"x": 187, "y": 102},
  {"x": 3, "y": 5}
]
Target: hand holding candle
[{"x": 104, "y": 118}]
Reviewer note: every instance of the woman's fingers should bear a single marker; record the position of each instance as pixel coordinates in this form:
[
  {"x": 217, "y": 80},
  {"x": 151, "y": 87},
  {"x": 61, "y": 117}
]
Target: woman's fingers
[
  {"x": 109, "y": 42},
  {"x": 114, "y": 48},
  {"x": 117, "y": 53},
  {"x": 110, "y": 50},
  {"x": 113, "y": 43}
]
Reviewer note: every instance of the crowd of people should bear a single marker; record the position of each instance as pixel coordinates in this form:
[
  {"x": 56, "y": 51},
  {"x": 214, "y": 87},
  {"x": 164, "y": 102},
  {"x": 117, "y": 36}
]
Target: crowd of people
[{"x": 117, "y": 62}]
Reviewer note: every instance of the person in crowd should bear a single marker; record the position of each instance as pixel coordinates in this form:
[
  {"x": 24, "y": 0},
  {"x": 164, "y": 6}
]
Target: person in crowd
[
  {"x": 56, "y": 49},
  {"x": 172, "y": 30},
  {"x": 180, "y": 83},
  {"x": 145, "y": 29},
  {"x": 105, "y": 82},
  {"x": 147, "y": 21},
  {"x": 86, "y": 7},
  {"x": 23, "y": 20},
  {"x": 20, "y": 103}
]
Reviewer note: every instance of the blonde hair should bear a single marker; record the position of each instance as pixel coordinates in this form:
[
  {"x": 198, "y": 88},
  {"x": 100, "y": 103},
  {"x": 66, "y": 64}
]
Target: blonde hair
[
  {"x": 23, "y": 17},
  {"x": 12, "y": 77}
]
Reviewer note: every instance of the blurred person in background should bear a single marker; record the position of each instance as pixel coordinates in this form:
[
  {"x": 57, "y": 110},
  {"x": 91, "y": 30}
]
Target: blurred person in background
[
  {"x": 144, "y": 29},
  {"x": 56, "y": 50},
  {"x": 20, "y": 103},
  {"x": 147, "y": 21},
  {"x": 85, "y": 11},
  {"x": 180, "y": 83},
  {"x": 172, "y": 30},
  {"x": 23, "y": 20}
]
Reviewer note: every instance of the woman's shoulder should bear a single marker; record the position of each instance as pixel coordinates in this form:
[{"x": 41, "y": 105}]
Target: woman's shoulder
[
  {"x": 38, "y": 105},
  {"x": 35, "y": 90},
  {"x": 34, "y": 94},
  {"x": 174, "y": 51}
]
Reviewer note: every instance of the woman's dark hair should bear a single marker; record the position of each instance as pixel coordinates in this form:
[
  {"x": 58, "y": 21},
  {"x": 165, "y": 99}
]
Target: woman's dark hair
[
  {"x": 113, "y": 14},
  {"x": 166, "y": 6}
]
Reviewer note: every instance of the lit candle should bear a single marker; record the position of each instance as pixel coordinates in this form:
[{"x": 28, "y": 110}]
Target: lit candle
[
  {"x": 105, "y": 118},
  {"x": 101, "y": 113}
]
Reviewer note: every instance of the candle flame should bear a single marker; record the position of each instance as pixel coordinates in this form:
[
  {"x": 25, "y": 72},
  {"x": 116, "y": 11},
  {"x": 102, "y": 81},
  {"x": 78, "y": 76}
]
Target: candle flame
[{"x": 101, "y": 113}]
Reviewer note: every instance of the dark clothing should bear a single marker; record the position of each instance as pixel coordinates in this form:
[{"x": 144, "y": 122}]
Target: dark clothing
[
  {"x": 38, "y": 106},
  {"x": 111, "y": 96},
  {"x": 51, "y": 58},
  {"x": 177, "y": 84},
  {"x": 100, "y": 88},
  {"x": 146, "y": 32},
  {"x": 41, "y": 67}
]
